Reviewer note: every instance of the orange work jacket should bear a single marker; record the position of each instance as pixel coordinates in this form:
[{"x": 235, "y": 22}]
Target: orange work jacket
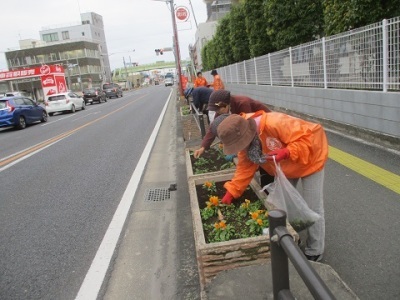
[
  {"x": 218, "y": 83},
  {"x": 200, "y": 81},
  {"x": 306, "y": 142}
]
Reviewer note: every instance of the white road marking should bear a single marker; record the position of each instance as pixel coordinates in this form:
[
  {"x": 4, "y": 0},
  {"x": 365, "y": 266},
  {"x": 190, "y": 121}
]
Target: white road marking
[{"x": 95, "y": 276}]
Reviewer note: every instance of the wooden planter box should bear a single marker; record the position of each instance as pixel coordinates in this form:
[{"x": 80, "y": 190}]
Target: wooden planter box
[
  {"x": 213, "y": 258},
  {"x": 190, "y": 170},
  {"x": 190, "y": 128}
]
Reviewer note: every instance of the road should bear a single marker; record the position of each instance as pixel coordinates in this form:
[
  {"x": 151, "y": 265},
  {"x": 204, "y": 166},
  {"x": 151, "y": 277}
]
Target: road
[
  {"x": 56, "y": 203},
  {"x": 58, "y": 199}
]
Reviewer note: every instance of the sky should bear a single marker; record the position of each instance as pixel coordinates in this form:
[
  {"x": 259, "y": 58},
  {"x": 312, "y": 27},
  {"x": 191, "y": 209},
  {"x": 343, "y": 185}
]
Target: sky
[{"x": 133, "y": 28}]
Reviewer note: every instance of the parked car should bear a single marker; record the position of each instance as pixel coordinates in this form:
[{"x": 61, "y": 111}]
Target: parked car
[
  {"x": 19, "y": 93},
  {"x": 20, "y": 111},
  {"x": 95, "y": 94},
  {"x": 112, "y": 90},
  {"x": 169, "y": 81},
  {"x": 64, "y": 102}
]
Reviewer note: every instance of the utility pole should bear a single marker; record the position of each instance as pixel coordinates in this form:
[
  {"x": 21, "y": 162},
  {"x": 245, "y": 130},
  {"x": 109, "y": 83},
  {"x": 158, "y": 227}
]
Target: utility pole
[{"x": 177, "y": 51}]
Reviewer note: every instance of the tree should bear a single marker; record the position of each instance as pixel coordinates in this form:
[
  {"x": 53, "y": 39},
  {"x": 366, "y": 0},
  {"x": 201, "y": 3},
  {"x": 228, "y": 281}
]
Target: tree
[
  {"x": 345, "y": 15},
  {"x": 238, "y": 34},
  {"x": 224, "y": 42},
  {"x": 256, "y": 28},
  {"x": 291, "y": 23}
]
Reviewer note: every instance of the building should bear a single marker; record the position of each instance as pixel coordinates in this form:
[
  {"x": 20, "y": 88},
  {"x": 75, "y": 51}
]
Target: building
[{"x": 81, "y": 49}]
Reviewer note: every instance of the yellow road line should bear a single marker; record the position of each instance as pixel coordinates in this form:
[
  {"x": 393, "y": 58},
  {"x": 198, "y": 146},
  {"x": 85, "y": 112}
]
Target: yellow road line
[
  {"x": 58, "y": 137},
  {"x": 375, "y": 173}
]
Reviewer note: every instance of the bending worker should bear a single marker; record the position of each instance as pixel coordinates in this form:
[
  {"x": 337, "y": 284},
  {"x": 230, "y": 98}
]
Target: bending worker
[
  {"x": 200, "y": 98},
  {"x": 301, "y": 147},
  {"x": 222, "y": 102}
]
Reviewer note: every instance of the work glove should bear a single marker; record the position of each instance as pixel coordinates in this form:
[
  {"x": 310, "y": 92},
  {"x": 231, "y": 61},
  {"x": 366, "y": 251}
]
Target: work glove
[
  {"x": 279, "y": 154},
  {"x": 230, "y": 157},
  {"x": 227, "y": 199}
]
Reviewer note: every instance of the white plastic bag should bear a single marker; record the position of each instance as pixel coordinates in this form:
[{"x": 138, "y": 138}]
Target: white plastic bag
[{"x": 283, "y": 195}]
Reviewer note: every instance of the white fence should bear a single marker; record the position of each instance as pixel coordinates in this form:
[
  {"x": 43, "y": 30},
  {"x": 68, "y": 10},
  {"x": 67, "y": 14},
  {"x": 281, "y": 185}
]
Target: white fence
[{"x": 367, "y": 58}]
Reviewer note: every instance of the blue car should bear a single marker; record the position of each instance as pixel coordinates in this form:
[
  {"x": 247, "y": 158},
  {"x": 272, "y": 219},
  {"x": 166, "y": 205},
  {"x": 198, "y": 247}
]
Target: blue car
[{"x": 20, "y": 111}]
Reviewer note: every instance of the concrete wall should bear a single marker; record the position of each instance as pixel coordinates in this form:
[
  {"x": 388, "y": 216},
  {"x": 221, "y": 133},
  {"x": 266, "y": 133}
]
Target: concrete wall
[{"x": 367, "y": 114}]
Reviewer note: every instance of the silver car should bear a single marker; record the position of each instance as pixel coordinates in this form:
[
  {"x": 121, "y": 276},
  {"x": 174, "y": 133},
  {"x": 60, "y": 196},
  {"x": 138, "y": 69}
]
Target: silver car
[
  {"x": 64, "y": 102},
  {"x": 168, "y": 81}
]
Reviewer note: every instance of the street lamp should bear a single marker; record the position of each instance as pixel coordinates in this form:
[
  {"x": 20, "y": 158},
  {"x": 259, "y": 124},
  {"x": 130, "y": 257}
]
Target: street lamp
[{"x": 108, "y": 55}]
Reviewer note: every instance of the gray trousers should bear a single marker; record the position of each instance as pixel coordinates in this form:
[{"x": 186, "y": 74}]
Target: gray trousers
[{"x": 312, "y": 192}]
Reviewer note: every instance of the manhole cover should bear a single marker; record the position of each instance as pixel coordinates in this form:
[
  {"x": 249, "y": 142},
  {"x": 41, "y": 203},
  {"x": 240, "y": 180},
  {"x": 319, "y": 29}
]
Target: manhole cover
[{"x": 157, "y": 194}]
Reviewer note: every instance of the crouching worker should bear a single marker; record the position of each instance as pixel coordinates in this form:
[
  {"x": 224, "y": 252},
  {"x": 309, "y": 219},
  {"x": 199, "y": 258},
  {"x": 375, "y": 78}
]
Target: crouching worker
[{"x": 299, "y": 146}]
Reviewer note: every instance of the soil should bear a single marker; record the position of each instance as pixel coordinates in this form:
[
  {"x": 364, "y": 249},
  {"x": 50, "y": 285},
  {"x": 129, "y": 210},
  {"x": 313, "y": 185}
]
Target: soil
[
  {"x": 241, "y": 229},
  {"x": 210, "y": 161}
]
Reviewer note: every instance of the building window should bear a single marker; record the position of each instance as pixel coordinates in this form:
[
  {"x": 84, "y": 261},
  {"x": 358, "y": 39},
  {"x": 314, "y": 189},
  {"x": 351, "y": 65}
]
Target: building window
[
  {"x": 83, "y": 33},
  {"x": 65, "y": 35},
  {"x": 50, "y": 37}
]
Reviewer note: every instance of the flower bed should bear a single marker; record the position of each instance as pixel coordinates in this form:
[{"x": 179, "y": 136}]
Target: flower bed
[
  {"x": 245, "y": 217},
  {"x": 211, "y": 161},
  {"x": 215, "y": 257}
]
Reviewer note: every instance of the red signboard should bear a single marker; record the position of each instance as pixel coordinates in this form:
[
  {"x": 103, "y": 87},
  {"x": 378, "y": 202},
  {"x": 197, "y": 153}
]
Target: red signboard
[
  {"x": 52, "y": 77},
  {"x": 182, "y": 13},
  {"x": 31, "y": 72}
]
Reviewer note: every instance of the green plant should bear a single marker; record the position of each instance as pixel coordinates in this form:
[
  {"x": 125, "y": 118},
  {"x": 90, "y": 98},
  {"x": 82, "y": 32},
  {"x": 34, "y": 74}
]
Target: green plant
[
  {"x": 185, "y": 110},
  {"x": 222, "y": 232},
  {"x": 211, "y": 209},
  {"x": 225, "y": 222},
  {"x": 210, "y": 186},
  {"x": 212, "y": 160}
]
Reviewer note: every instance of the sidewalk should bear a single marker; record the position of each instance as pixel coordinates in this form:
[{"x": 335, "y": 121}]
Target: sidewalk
[
  {"x": 156, "y": 258},
  {"x": 157, "y": 255}
]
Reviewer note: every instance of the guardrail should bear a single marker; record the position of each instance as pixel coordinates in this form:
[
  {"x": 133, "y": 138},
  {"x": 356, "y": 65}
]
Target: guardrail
[{"x": 283, "y": 248}]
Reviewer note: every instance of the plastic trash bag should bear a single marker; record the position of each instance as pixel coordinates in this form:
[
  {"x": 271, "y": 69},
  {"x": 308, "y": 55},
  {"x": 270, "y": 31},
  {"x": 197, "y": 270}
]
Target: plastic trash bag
[{"x": 283, "y": 195}]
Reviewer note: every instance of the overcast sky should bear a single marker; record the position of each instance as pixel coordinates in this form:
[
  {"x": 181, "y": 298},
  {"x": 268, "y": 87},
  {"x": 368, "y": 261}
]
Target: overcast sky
[{"x": 140, "y": 25}]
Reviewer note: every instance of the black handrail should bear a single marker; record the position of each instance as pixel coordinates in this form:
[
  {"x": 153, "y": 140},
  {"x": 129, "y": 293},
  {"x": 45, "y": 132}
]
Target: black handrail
[{"x": 282, "y": 248}]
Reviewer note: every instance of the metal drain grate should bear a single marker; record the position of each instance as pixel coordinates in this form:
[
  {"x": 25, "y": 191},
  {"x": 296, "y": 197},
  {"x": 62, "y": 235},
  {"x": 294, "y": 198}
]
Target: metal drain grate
[{"x": 157, "y": 194}]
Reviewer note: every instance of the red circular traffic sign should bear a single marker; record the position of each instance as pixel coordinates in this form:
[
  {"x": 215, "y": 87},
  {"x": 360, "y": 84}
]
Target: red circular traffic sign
[{"x": 182, "y": 13}]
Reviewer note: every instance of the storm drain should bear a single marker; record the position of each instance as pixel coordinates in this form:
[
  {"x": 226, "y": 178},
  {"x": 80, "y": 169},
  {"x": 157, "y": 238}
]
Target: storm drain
[{"x": 157, "y": 194}]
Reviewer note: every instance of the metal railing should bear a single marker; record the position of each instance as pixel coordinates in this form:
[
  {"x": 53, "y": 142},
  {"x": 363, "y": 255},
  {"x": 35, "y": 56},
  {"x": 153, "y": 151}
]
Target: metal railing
[
  {"x": 366, "y": 58},
  {"x": 282, "y": 248},
  {"x": 199, "y": 118}
]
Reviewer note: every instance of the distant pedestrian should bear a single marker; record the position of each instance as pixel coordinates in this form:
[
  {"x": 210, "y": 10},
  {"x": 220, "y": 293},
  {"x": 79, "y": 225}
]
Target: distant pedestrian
[
  {"x": 217, "y": 84},
  {"x": 200, "y": 80}
]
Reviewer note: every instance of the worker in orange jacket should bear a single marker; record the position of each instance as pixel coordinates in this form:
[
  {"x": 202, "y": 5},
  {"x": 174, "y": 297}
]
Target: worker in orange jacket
[
  {"x": 299, "y": 146},
  {"x": 200, "y": 80},
  {"x": 218, "y": 84}
]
